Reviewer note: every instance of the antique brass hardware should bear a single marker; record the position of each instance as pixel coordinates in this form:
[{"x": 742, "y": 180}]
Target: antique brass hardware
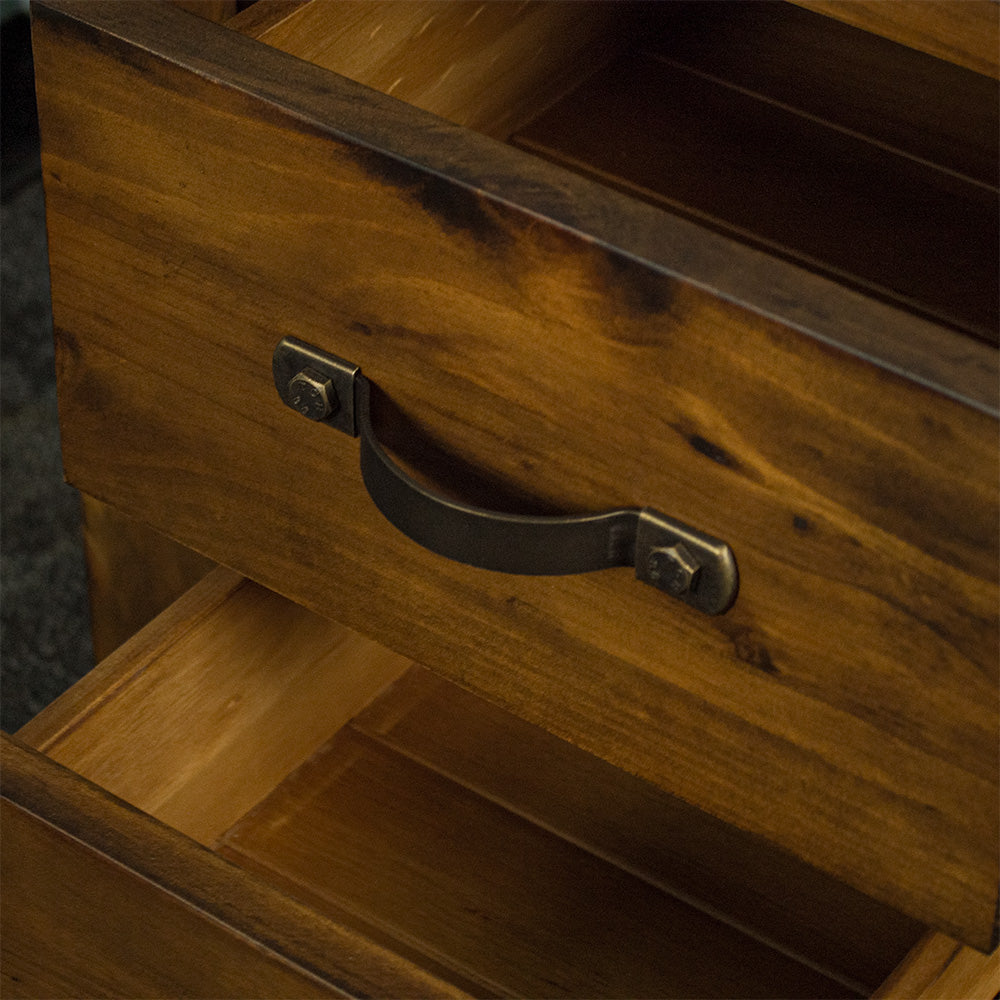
[{"x": 673, "y": 557}]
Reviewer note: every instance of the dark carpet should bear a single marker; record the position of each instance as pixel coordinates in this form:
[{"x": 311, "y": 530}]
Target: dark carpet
[{"x": 44, "y": 620}]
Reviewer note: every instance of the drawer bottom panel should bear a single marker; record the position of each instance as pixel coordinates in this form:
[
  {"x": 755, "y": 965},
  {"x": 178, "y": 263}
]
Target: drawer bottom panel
[{"x": 373, "y": 830}]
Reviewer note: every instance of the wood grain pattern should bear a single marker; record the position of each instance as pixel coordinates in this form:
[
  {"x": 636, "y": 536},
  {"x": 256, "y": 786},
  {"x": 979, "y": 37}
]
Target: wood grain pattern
[
  {"x": 362, "y": 830},
  {"x": 98, "y": 685},
  {"x": 847, "y": 78},
  {"x": 941, "y": 969},
  {"x": 859, "y": 665},
  {"x": 100, "y": 900},
  {"x": 229, "y": 675},
  {"x": 665, "y": 842},
  {"x": 490, "y": 66},
  {"x": 966, "y": 32},
  {"x": 894, "y": 226},
  {"x": 495, "y": 756},
  {"x": 134, "y": 573},
  {"x": 76, "y": 925}
]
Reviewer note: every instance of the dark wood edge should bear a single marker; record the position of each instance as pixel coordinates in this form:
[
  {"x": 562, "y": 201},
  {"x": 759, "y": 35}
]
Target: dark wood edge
[
  {"x": 410, "y": 143},
  {"x": 332, "y": 953}
]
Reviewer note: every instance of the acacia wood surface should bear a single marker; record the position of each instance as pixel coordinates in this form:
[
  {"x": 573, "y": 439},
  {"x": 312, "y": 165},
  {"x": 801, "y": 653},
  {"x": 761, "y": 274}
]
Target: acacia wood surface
[
  {"x": 633, "y": 825},
  {"x": 100, "y": 900},
  {"x": 423, "y": 720},
  {"x": 845, "y": 709},
  {"x": 263, "y": 16},
  {"x": 76, "y": 924},
  {"x": 966, "y": 32},
  {"x": 939, "y": 968},
  {"x": 487, "y": 66},
  {"x": 665, "y": 842},
  {"x": 494, "y": 755},
  {"x": 365, "y": 831},
  {"x": 894, "y": 224},
  {"x": 133, "y": 573},
  {"x": 99, "y": 685},
  {"x": 221, "y": 697}
]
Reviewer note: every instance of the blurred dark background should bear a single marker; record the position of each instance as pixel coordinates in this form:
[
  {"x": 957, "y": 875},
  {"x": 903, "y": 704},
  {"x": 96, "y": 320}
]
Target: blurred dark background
[{"x": 44, "y": 620}]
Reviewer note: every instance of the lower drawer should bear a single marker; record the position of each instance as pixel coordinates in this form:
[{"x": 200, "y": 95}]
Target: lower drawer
[{"x": 344, "y": 816}]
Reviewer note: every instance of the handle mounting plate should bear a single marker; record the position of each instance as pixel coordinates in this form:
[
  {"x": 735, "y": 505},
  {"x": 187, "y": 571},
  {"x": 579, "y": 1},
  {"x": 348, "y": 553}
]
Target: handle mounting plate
[{"x": 292, "y": 357}]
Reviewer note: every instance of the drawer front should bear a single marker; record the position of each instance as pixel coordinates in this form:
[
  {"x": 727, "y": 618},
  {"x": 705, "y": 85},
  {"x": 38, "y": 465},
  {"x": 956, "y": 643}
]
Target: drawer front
[
  {"x": 102, "y": 900},
  {"x": 208, "y": 196}
]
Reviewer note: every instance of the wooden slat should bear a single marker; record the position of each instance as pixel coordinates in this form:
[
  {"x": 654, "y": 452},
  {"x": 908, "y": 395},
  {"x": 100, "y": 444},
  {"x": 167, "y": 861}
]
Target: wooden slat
[
  {"x": 100, "y": 900},
  {"x": 843, "y": 76},
  {"x": 966, "y": 32},
  {"x": 230, "y": 681},
  {"x": 939, "y": 968},
  {"x": 490, "y": 66},
  {"x": 863, "y": 213},
  {"x": 134, "y": 573},
  {"x": 859, "y": 664},
  {"x": 364, "y": 831},
  {"x": 635, "y": 826}
]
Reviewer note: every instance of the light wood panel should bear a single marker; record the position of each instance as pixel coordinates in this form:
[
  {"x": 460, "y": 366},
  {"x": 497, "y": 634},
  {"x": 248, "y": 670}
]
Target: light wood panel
[
  {"x": 859, "y": 665},
  {"x": 361, "y": 830},
  {"x": 100, "y": 900},
  {"x": 966, "y": 32},
  {"x": 939, "y": 968},
  {"x": 226, "y": 693},
  {"x": 488, "y": 66}
]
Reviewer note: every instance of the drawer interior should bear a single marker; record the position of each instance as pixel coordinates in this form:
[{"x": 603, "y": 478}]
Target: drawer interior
[
  {"x": 485, "y": 850},
  {"x": 845, "y": 152}
]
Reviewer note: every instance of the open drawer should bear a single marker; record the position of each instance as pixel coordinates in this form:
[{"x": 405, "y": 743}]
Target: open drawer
[
  {"x": 787, "y": 346},
  {"x": 385, "y": 833}
]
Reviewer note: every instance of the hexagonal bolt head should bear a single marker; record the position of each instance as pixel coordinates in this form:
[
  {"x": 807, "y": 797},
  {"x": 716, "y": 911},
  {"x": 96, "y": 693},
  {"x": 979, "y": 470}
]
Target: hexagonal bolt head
[
  {"x": 312, "y": 394},
  {"x": 674, "y": 569}
]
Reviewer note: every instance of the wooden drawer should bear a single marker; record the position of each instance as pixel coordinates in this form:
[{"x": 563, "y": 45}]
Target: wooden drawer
[
  {"x": 788, "y": 345},
  {"x": 320, "y": 816}
]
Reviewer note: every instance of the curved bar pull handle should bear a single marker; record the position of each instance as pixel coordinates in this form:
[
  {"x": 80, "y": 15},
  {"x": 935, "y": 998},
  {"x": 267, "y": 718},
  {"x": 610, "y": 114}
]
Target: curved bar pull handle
[{"x": 685, "y": 563}]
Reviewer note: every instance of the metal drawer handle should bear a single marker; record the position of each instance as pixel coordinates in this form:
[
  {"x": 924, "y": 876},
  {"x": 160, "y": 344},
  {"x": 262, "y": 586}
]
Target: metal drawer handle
[{"x": 681, "y": 561}]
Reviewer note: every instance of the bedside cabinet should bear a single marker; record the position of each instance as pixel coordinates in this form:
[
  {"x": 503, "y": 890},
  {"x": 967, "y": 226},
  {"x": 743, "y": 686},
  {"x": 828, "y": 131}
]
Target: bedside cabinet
[{"x": 646, "y": 641}]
